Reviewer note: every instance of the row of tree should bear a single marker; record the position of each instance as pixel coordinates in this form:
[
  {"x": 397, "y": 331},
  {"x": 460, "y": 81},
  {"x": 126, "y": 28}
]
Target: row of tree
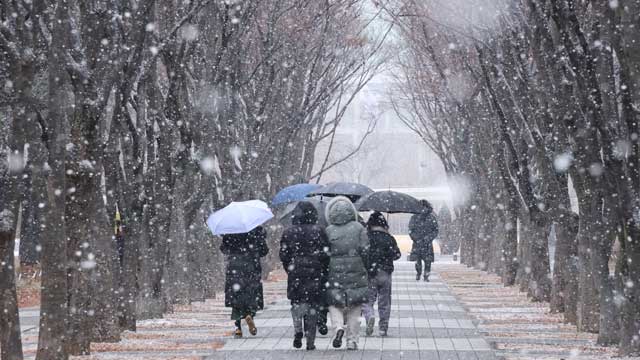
[
  {"x": 528, "y": 102},
  {"x": 164, "y": 110}
]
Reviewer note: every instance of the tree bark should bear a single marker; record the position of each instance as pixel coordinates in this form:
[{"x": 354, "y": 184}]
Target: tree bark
[
  {"x": 10, "y": 337},
  {"x": 53, "y": 303}
]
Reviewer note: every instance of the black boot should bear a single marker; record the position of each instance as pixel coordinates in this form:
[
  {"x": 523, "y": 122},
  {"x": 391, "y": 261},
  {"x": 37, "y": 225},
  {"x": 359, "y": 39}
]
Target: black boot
[
  {"x": 297, "y": 340},
  {"x": 323, "y": 329},
  {"x": 337, "y": 342},
  {"x": 426, "y": 277},
  {"x": 322, "y": 321},
  {"x": 418, "y": 277}
]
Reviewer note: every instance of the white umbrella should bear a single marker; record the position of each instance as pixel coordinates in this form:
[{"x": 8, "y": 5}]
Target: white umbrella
[{"x": 239, "y": 217}]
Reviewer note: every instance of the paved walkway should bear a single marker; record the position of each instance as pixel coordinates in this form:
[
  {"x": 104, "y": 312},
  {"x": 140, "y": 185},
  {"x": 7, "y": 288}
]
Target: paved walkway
[{"x": 426, "y": 323}]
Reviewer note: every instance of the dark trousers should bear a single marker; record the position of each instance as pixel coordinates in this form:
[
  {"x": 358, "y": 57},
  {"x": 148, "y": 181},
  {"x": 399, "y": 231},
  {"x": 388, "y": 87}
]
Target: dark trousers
[
  {"x": 379, "y": 290},
  {"x": 427, "y": 265},
  {"x": 305, "y": 319},
  {"x": 323, "y": 312}
]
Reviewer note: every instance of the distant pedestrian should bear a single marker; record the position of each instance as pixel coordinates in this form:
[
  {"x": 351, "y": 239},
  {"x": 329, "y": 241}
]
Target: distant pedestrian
[
  {"x": 383, "y": 250},
  {"x": 423, "y": 229},
  {"x": 243, "y": 283},
  {"x": 348, "y": 280},
  {"x": 304, "y": 254}
]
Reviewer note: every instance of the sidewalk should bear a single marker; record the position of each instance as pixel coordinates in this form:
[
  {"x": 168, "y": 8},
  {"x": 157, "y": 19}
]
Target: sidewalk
[{"x": 427, "y": 323}]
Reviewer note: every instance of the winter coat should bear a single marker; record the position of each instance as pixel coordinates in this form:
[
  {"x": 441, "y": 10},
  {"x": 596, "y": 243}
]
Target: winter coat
[
  {"x": 349, "y": 245},
  {"x": 304, "y": 252},
  {"x": 243, "y": 283},
  {"x": 423, "y": 229},
  {"x": 383, "y": 250}
]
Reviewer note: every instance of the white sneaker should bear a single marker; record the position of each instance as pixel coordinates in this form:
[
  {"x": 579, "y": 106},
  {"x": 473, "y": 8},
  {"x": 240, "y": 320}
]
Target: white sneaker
[{"x": 352, "y": 346}]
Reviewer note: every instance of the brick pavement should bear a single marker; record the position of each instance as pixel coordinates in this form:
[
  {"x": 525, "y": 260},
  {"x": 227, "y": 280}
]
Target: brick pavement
[{"x": 426, "y": 323}]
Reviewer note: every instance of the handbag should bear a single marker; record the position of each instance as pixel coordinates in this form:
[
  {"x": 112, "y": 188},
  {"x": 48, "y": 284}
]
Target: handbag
[{"x": 412, "y": 257}]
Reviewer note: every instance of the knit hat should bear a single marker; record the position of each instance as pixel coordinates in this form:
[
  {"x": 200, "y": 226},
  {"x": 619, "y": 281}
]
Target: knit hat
[{"x": 377, "y": 219}]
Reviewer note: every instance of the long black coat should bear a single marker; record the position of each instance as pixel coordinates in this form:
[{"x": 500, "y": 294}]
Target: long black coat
[
  {"x": 423, "y": 229},
  {"x": 243, "y": 283},
  {"x": 304, "y": 254},
  {"x": 383, "y": 250}
]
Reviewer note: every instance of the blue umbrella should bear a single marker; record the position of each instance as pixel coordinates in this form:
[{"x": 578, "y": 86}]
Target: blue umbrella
[
  {"x": 294, "y": 193},
  {"x": 239, "y": 217}
]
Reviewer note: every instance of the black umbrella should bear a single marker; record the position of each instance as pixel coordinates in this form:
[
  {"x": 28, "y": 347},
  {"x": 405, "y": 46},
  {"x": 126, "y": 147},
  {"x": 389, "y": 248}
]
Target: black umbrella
[
  {"x": 351, "y": 190},
  {"x": 284, "y": 215},
  {"x": 390, "y": 202}
]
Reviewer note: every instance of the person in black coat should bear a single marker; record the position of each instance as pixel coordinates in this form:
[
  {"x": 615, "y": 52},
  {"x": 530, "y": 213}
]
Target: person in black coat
[
  {"x": 243, "y": 282},
  {"x": 304, "y": 254},
  {"x": 383, "y": 251},
  {"x": 423, "y": 229}
]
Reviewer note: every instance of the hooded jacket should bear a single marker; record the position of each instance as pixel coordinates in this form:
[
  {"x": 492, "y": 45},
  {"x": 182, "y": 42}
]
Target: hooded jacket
[
  {"x": 304, "y": 254},
  {"x": 349, "y": 246}
]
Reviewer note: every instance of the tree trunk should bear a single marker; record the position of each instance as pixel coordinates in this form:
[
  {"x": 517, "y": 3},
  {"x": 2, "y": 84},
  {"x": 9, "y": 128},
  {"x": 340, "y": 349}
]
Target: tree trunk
[
  {"x": 563, "y": 293},
  {"x": 53, "y": 304},
  {"x": 177, "y": 275},
  {"x": 609, "y": 323},
  {"x": 468, "y": 238},
  {"x": 630, "y": 309},
  {"x": 10, "y": 339},
  {"x": 539, "y": 285},
  {"x": 524, "y": 259},
  {"x": 34, "y": 197},
  {"x": 510, "y": 248},
  {"x": 588, "y": 308}
]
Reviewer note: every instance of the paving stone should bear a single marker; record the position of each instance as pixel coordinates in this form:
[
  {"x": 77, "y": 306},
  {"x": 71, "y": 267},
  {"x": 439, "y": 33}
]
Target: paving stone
[
  {"x": 461, "y": 344},
  {"x": 444, "y": 344},
  {"x": 429, "y": 355},
  {"x": 486, "y": 355},
  {"x": 448, "y": 355},
  {"x": 427, "y": 323},
  {"x": 467, "y": 355}
]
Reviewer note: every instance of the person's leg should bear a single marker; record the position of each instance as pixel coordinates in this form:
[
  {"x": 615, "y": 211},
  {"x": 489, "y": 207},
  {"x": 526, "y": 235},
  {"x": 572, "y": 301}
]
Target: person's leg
[
  {"x": 368, "y": 311},
  {"x": 418, "y": 268},
  {"x": 337, "y": 322},
  {"x": 248, "y": 314},
  {"x": 427, "y": 268},
  {"x": 337, "y": 317},
  {"x": 384, "y": 300},
  {"x": 297, "y": 314},
  {"x": 323, "y": 311},
  {"x": 310, "y": 322},
  {"x": 353, "y": 326},
  {"x": 236, "y": 314}
]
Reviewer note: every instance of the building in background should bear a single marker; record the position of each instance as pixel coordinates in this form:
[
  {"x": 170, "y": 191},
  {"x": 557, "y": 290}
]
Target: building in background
[{"x": 392, "y": 157}]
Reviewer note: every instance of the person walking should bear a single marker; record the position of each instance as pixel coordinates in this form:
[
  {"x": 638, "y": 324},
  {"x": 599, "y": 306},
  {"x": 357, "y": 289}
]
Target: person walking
[
  {"x": 383, "y": 250},
  {"x": 304, "y": 254},
  {"x": 348, "y": 280},
  {"x": 243, "y": 282},
  {"x": 423, "y": 229}
]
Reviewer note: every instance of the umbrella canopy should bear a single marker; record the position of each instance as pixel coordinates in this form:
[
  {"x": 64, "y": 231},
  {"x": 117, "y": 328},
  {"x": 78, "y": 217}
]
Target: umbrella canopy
[
  {"x": 239, "y": 217},
  {"x": 294, "y": 193},
  {"x": 351, "y": 190},
  {"x": 285, "y": 215},
  {"x": 390, "y": 202}
]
